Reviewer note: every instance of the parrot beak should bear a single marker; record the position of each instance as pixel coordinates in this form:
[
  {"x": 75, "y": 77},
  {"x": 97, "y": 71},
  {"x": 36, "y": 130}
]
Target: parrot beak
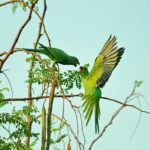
[
  {"x": 78, "y": 63},
  {"x": 81, "y": 68}
]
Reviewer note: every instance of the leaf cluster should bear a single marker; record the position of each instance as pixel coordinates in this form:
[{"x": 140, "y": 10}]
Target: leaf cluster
[
  {"x": 57, "y": 132},
  {"x": 15, "y": 125},
  {"x": 138, "y": 83},
  {"x": 42, "y": 75},
  {"x": 70, "y": 79},
  {"x": 23, "y": 5}
]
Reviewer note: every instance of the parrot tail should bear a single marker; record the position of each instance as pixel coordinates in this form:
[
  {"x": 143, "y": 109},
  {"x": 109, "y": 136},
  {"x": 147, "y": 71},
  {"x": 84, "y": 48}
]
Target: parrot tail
[
  {"x": 91, "y": 103},
  {"x": 32, "y": 50},
  {"x": 41, "y": 51}
]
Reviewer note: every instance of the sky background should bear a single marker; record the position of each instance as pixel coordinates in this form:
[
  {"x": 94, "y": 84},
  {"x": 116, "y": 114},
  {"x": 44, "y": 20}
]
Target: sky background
[{"x": 81, "y": 28}]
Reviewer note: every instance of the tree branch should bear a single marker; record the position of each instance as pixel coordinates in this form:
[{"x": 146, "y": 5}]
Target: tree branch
[
  {"x": 17, "y": 36},
  {"x": 76, "y": 95},
  {"x": 39, "y": 97},
  {"x": 50, "y": 107},
  {"x": 41, "y": 22},
  {"x": 9, "y": 2}
]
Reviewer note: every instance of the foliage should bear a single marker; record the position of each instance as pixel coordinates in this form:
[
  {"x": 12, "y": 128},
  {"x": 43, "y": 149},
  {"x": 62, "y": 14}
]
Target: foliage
[
  {"x": 57, "y": 136},
  {"x": 42, "y": 75},
  {"x": 70, "y": 79},
  {"x": 87, "y": 66},
  {"x": 15, "y": 126},
  {"x": 15, "y": 5},
  {"x": 24, "y": 4},
  {"x": 2, "y": 96},
  {"x": 138, "y": 83}
]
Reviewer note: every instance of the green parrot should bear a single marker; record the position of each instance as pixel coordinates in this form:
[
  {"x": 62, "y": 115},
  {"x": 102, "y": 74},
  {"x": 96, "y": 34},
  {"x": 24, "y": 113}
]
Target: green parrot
[
  {"x": 104, "y": 64},
  {"x": 56, "y": 55}
]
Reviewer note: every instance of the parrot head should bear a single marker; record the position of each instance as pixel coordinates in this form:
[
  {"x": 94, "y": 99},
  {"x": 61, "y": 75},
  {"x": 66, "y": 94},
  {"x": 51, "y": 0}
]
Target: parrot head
[
  {"x": 75, "y": 61},
  {"x": 84, "y": 71}
]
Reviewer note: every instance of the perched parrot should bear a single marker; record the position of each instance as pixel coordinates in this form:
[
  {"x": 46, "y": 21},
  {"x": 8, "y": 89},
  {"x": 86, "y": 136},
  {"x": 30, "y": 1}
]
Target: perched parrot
[
  {"x": 56, "y": 55},
  {"x": 104, "y": 64}
]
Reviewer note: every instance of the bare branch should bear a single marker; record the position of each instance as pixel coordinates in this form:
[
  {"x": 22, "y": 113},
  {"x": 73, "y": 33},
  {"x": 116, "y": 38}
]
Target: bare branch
[
  {"x": 39, "y": 97},
  {"x": 41, "y": 22},
  {"x": 76, "y": 95},
  {"x": 9, "y": 2},
  {"x": 18, "y": 35},
  {"x": 126, "y": 105}
]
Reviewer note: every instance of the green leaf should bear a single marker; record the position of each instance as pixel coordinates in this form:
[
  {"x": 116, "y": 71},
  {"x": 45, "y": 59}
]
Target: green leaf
[
  {"x": 138, "y": 83},
  {"x": 87, "y": 66}
]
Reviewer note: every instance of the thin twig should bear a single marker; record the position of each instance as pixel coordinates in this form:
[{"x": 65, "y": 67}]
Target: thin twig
[
  {"x": 41, "y": 22},
  {"x": 138, "y": 121},
  {"x": 82, "y": 128},
  {"x": 9, "y": 83}
]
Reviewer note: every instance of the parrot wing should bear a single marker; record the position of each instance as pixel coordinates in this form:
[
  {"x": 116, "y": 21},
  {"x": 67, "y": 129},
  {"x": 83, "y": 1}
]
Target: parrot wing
[
  {"x": 56, "y": 54},
  {"x": 105, "y": 62}
]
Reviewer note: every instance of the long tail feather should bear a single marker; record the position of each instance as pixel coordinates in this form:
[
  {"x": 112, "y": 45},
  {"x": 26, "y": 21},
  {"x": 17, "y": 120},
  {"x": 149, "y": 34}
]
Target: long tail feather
[
  {"x": 90, "y": 105},
  {"x": 97, "y": 116},
  {"x": 41, "y": 51}
]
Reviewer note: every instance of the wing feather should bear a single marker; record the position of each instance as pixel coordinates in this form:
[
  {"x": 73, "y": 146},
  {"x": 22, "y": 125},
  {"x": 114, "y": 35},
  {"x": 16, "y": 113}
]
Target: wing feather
[
  {"x": 105, "y": 62},
  {"x": 56, "y": 54}
]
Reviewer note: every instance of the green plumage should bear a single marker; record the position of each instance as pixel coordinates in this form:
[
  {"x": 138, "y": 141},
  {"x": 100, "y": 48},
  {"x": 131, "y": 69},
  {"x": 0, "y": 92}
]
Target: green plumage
[
  {"x": 92, "y": 81},
  {"x": 56, "y": 55}
]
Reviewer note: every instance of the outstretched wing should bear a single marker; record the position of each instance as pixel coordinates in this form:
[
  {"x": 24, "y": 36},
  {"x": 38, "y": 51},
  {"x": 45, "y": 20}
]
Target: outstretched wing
[{"x": 105, "y": 62}]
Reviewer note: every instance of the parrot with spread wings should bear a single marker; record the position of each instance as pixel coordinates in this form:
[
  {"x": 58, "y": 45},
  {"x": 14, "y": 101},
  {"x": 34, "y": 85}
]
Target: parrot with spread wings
[
  {"x": 55, "y": 54},
  {"x": 103, "y": 67}
]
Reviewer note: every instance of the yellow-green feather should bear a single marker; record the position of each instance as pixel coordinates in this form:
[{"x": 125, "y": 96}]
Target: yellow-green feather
[
  {"x": 105, "y": 62},
  {"x": 91, "y": 102}
]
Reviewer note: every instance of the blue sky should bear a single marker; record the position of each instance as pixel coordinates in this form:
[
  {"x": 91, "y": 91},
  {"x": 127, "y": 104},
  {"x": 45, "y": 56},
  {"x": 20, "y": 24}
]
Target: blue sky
[{"x": 81, "y": 28}]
